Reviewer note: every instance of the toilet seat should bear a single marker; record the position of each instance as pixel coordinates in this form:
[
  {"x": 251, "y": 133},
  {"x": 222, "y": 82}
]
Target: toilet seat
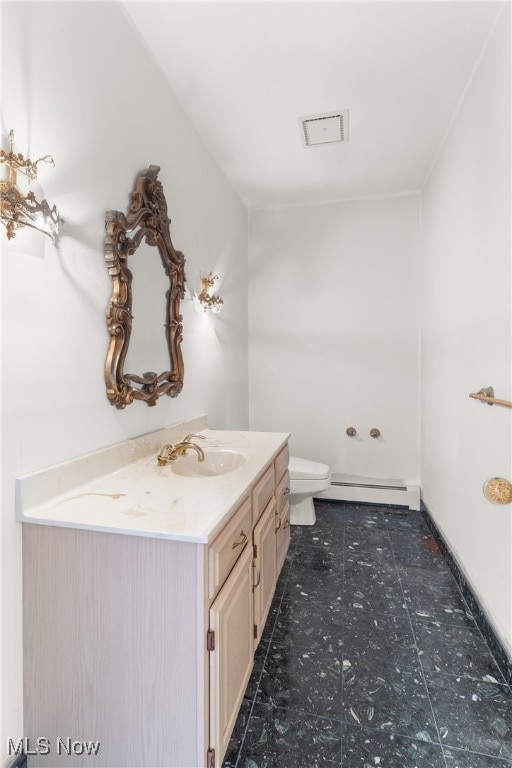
[{"x": 303, "y": 469}]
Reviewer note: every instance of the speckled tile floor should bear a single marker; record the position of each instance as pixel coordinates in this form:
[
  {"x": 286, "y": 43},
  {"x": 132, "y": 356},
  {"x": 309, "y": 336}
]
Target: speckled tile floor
[{"x": 370, "y": 656}]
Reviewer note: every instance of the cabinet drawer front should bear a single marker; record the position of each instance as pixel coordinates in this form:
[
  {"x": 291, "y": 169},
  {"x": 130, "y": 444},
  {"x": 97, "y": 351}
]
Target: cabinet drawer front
[
  {"x": 281, "y": 462},
  {"x": 282, "y": 492},
  {"x": 227, "y": 547},
  {"x": 262, "y": 492},
  {"x": 283, "y": 537}
]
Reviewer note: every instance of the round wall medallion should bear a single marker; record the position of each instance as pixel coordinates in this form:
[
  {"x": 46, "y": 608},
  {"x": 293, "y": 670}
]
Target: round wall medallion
[{"x": 498, "y": 490}]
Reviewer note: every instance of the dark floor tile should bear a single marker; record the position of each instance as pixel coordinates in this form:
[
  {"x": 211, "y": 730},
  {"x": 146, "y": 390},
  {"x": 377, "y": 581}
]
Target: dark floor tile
[
  {"x": 295, "y": 534},
  {"x": 455, "y": 649},
  {"x": 424, "y": 542},
  {"x": 319, "y": 556},
  {"x": 472, "y": 715},
  {"x": 330, "y": 507},
  {"x": 433, "y": 572},
  {"x": 257, "y": 670},
  {"x": 377, "y": 596},
  {"x": 361, "y": 515},
  {"x": 237, "y": 736},
  {"x": 305, "y": 680},
  {"x": 283, "y": 578},
  {"x": 418, "y": 552},
  {"x": 388, "y": 698},
  {"x": 323, "y": 523},
  {"x": 380, "y": 509},
  {"x": 366, "y": 748},
  {"x": 372, "y": 638},
  {"x": 406, "y": 520},
  {"x": 310, "y": 586},
  {"x": 429, "y": 601},
  {"x": 278, "y": 738},
  {"x": 269, "y": 625},
  {"x": 339, "y": 644},
  {"x": 331, "y": 542},
  {"x": 360, "y": 540},
  {"x": 290, "y": 555},
  {"x": 456, "y": 758},
  {"x": 309, "y": 625},
  {"x": 336, "y": 507},
  {"x": 366, "y": 567},
  {"x": 414, "y": 556}
]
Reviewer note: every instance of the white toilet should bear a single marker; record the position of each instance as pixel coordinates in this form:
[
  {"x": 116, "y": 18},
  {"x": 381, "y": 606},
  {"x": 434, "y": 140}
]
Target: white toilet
[{"x": 307, "y": 478}]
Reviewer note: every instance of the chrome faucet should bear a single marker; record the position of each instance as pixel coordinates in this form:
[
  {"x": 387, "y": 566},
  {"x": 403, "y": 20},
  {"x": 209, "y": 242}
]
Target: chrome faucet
[{"x": 171, "y": 452}]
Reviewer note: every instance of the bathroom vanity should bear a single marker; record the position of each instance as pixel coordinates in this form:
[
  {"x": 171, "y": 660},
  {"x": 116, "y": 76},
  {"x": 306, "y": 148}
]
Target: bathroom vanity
[{"x": 146, "y": 592}]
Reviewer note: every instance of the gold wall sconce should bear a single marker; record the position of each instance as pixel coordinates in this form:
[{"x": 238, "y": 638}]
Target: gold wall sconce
[
  {"x": 208, "y": 301},
  {"x": 19, "y": 210}
]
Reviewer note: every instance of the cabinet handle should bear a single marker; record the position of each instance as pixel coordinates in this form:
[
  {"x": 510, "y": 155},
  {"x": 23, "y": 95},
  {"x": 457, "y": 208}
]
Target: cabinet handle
[
  {"x": 286, "y": 491},
  {"x": 243, "y": 539},
  {"x": 278, "y": 527},
  {"x": 286, "y": 525},
  {"x": 259, "y": 576}
]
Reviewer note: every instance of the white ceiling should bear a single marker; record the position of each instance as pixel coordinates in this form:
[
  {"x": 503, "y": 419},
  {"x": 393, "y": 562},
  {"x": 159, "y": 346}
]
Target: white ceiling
[{"x": 245, "y": 71}]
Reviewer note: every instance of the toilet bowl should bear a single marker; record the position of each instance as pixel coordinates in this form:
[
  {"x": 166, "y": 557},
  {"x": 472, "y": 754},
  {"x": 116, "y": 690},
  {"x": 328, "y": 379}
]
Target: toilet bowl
[{"x": 307, "y": 478}]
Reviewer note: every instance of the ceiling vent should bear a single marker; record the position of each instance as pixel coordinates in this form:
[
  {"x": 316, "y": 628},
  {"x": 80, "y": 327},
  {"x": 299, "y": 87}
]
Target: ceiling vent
[{"x": 329, "y": 128}]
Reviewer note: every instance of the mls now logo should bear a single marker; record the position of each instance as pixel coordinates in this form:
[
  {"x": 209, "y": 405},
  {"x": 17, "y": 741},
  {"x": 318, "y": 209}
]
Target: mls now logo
[{"x": 42, "y": 746}]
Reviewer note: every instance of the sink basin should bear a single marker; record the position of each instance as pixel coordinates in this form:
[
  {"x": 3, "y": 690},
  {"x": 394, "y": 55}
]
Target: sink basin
[{"x": 216, "y": 462}]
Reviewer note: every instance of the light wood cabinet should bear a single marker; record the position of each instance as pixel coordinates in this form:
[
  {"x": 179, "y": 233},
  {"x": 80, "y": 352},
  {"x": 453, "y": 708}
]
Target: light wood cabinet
[
  {"x": 231, "y": 650},
  {"x": 146, "y": 644},
  {"x": 283, "y": 536},
  {"x": 262, "y": 492},
  {"x": 265, "y": 563},
  {"x": 227, "y": 546},
  {"x": 282, "y": 492},
  {"x": 282, "y": 518},
  {"x": 281, "y": 462}
]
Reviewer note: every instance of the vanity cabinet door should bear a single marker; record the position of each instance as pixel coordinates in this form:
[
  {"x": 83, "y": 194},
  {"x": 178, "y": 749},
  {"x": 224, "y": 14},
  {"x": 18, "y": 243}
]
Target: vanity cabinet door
[
  {"x": 264, "y": 538},
  {"x": 231, "y": 660},
  {"x": 283, "y": 536}
]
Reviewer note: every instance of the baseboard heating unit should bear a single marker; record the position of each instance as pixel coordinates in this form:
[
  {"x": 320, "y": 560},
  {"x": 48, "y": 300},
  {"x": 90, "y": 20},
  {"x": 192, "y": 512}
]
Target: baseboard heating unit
[{"x": 372, "y": 491}]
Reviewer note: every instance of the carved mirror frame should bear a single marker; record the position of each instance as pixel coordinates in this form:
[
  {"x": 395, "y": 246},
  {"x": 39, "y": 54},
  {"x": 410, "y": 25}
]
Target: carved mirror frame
[{"x": 146, "y": 219}]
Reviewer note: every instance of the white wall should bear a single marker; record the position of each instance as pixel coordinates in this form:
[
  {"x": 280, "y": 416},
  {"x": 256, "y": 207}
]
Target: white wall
[
  {"x": 466, "y": 332},
  {"x": 78, "y": 84},
  {"x": 333, "y": 332}
]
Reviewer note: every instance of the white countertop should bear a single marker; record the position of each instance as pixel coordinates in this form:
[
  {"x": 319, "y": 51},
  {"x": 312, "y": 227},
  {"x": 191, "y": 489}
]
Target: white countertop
[{"x": 139, "y": 497}]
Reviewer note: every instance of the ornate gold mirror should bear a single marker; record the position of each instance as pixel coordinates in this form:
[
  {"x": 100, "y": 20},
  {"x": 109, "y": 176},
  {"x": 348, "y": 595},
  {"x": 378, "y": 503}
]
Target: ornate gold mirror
[{"x": 136, "y": 235}]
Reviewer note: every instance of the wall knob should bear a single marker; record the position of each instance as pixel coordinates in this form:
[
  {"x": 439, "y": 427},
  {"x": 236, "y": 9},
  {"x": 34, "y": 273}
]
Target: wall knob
[
  {"x": 375, "y": 432},
  {"x": 351, "y": 431},
  {"x": 498, "y": 490}
]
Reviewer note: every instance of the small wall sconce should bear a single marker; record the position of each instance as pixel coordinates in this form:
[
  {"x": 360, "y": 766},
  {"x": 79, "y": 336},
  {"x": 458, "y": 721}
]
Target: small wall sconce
[
  {"x": 18, "y": 210},
  {"x": 208, "y": 301}
]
